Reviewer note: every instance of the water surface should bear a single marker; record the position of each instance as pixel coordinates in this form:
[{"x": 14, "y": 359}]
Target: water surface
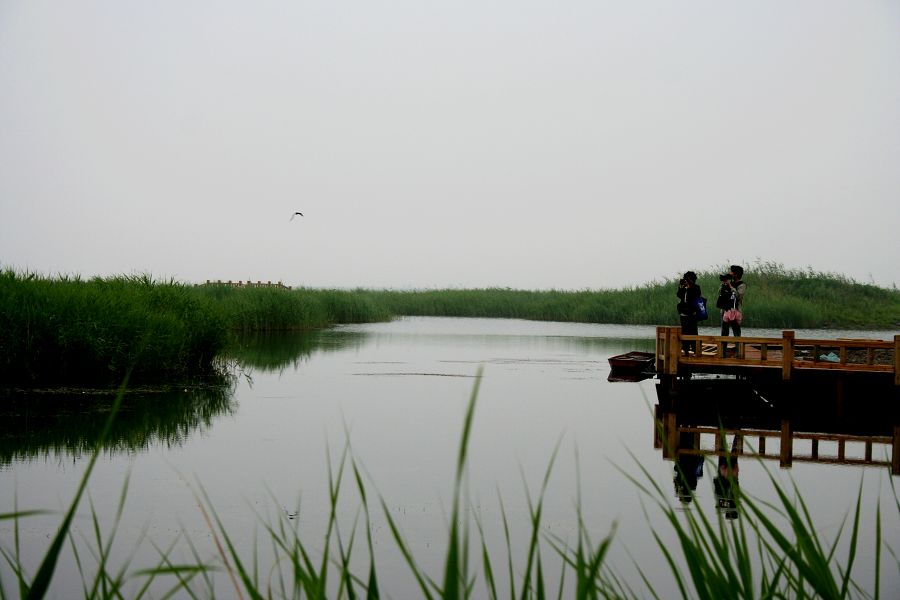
[{"x": 398, "y": 392}]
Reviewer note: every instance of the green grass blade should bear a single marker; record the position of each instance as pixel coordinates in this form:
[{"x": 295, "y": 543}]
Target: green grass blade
[
  {"x": 854, "y": 536},
  {"x": 41, "y": 582},
  {"x": 232, "y": 551},
  {"x": 424, "y": 584}
]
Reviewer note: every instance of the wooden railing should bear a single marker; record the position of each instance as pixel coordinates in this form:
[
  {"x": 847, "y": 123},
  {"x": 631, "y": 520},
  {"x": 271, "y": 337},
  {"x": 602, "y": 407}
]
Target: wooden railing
[
  {"x": 249, "y": 284},
  {"x": 787, "y": 353}
]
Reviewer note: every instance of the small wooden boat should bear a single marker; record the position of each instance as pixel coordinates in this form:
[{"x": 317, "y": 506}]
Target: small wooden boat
[{"x": 633, "y": 361}]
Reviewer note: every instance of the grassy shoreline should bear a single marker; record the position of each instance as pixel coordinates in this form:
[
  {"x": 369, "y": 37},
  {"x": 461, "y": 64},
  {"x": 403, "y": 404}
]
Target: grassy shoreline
[
  {"x": 776, "y": 298},
  {"x": 72, "y": 331}
]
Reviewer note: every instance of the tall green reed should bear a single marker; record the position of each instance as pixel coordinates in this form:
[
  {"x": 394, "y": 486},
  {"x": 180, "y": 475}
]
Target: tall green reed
[
  {"x": 71, "y": 331},
  {"x": 777, "y": 297}
]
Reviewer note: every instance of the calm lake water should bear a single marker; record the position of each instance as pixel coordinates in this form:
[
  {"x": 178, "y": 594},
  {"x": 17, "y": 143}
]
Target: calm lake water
[{"x": 398, "y": 392}]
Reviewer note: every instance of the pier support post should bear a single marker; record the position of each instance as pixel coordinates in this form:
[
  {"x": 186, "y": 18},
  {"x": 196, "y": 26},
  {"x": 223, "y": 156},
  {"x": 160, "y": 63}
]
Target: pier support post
[
  {"x": 658, "y": 417},
  {"x": 670, "y": 450},
  {"x": 787, "y": 355},
  {"x": 895, "y": 454},
  {"x": 787, "y": 444}
]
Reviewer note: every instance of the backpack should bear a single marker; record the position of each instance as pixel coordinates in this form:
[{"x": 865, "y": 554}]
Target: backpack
[
  {"x": 700, "y": 306},
  {"x": 726, "y": 298}
]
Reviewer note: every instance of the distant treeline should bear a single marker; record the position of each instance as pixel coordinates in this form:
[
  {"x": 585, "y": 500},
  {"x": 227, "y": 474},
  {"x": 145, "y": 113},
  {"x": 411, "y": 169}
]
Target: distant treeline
[{"x": 69, "y": 330}]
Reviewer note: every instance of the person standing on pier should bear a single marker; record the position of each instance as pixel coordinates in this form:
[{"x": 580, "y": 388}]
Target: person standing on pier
[
  {"x": 734, "y": 289},
  {"x": 688, "y": 293}
]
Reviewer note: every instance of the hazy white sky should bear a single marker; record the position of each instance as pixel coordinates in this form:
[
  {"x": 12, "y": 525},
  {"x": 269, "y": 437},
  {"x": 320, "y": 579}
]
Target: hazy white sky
[{"x": 531, "y": 144}]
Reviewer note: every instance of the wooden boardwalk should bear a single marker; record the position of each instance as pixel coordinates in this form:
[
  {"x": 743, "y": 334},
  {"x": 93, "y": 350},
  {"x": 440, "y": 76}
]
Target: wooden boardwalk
[
  {"x": 249, "y": 284},
  {"x": 789, "y": 354}
]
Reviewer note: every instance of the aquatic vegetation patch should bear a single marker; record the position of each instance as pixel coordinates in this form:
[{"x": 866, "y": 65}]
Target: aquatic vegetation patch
[
  {"x": 777, "y": 297},
  {"x": 71, "y": 331}
]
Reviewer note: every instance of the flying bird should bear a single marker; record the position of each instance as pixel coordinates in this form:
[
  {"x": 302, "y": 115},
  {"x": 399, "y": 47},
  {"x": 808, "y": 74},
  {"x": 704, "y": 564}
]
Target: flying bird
[{"x": 295, "y": 214}]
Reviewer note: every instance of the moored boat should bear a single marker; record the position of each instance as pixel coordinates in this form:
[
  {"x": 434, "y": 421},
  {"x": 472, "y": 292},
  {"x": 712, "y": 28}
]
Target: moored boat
[{"x": 633, "y": 361}]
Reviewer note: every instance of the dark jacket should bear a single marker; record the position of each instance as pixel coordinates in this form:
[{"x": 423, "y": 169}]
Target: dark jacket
[{"x": 687, "y": 305}]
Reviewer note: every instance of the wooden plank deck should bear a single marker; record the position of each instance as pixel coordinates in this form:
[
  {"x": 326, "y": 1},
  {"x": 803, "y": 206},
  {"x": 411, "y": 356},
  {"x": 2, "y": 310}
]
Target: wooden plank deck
[{"x": 787, "y": 353}]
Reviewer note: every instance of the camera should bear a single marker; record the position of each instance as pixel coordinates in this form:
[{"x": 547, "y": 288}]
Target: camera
[
  {"x": 726, "y": 277},
  {"x": 683, "y": 283}
]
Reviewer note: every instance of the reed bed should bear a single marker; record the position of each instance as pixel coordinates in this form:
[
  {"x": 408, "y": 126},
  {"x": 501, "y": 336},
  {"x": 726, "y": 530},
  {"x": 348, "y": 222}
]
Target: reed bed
[
  {"x": 273, "y": 309},
  {"x": 67, "y": 330},
  {"x": 770, "y": 551},
  {"x": 777, "y": 297}
]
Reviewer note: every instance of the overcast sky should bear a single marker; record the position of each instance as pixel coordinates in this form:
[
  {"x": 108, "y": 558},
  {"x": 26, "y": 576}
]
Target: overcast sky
[{"x": 513, "y": 143}]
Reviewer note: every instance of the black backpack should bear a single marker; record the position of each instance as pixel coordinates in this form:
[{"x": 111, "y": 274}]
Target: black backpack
[{"x": 726, "y": 298}]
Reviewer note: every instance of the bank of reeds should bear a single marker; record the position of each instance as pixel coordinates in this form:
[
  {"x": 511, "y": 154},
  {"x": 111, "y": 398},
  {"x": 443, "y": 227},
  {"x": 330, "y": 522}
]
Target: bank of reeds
[
  {"x": 777, "y": 297},
  {"x": 68, "y": 330},
  {"x": 74, "y": 331},
  {"x": 273, "y": 309},
  {"x": 769, "y": 551}
]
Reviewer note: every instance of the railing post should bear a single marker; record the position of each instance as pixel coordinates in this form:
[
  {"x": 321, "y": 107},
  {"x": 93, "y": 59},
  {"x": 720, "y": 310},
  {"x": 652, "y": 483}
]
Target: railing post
[
  {"x": 660, "y": 348},
  {"x": 897, "y": 360},
  {"x": 673, "y": 347},
  {"x": 787, "y": 355}
]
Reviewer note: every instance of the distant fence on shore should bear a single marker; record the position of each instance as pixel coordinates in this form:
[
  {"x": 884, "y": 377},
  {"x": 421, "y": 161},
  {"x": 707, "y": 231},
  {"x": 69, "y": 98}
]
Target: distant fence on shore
[{"x": 248, "y": 284}]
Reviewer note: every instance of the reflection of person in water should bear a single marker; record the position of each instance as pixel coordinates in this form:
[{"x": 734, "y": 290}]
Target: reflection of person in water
[
  {"x": 688, "y": 468},
  {"x": 726, "y": 482}
]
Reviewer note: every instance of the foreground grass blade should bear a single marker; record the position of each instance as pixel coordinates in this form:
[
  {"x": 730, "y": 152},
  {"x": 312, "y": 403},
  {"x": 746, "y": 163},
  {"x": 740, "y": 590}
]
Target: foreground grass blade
[
  {"x": 41, "y": 582},
  {"x": 457, "y": 551}
]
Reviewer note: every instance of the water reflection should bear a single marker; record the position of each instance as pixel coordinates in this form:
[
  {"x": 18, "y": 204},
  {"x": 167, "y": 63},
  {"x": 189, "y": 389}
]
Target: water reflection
[
  {"x": 851, "y": 424},
  {"x": 276, "y": 351},
  {"x": 68, "y": 423},
  {"x": 37, "y": 425}
]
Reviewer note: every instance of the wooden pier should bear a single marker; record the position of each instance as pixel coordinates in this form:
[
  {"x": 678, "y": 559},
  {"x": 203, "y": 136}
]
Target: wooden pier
[
  {"x": 787, "y": 354},
  {"x": 831, "y": 401},
  {"x": 249, "y": 284}
]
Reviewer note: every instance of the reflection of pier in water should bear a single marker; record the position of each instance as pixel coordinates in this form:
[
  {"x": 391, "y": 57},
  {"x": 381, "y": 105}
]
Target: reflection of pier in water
[{"x": 852, "y": 424}]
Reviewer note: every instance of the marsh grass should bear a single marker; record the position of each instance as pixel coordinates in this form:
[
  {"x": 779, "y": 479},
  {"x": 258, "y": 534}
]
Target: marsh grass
[
  {"x": 66, "y": 330},
  {"x": 773, "y": 550},
  {"x": 777, "y": 297},
  {"x": 69, "y": 331},
  {"x": 272, "y": 309}
]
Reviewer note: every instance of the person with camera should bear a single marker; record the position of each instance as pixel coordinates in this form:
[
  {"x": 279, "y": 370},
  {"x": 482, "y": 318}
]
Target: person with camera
[
  {"x": 688, "y": 294},
  {"x": 731, "y": 300}
]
